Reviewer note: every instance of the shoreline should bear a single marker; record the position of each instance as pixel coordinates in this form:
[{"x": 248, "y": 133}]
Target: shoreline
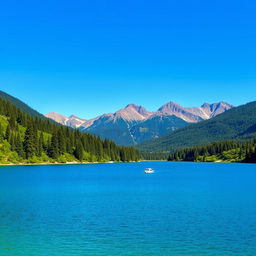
[
  {"x": 56, "y": 163},
  {"x": 49, "y": 163},
  {"x": 84, "y": 163}
]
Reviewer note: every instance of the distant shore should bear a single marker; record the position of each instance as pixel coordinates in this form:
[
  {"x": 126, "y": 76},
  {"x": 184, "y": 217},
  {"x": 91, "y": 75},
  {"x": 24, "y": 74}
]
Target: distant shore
[{"x": 84, "y": 163}]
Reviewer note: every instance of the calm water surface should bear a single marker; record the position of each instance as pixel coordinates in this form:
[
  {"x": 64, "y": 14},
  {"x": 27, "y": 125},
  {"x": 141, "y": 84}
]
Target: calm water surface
[{"x": 115, "y": 209}]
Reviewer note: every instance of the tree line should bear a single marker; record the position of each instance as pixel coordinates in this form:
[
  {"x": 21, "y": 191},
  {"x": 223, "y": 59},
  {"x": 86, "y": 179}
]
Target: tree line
[
  {"x": 154, "y": 156},
  {"x": 24, "y": 137},
  {"x": 229, "y": 151}
]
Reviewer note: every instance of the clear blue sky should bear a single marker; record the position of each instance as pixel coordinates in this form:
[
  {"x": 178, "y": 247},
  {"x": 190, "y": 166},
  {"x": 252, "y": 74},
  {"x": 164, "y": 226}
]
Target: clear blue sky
[{"x": 92, "y": 57}]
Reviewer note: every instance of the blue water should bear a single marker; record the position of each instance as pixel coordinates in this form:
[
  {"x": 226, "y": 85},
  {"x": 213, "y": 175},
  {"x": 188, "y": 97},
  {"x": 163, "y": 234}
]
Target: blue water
[{"x": 115, "y": 209}]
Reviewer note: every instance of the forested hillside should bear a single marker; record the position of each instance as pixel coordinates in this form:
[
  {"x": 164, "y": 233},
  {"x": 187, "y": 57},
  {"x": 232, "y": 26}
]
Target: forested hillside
[
  {"x": 225, "y": 151},
  {"x": 27, "y": 138},
  {"x": 235, "y": 124},
  {"x": 21, "y": 105}
]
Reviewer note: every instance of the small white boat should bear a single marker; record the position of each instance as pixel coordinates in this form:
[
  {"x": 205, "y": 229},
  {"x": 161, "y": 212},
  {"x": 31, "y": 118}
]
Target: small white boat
[{"x": 149, "y": 170}]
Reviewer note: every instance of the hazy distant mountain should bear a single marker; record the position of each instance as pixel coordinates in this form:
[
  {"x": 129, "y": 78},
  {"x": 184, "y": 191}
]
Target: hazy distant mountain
[
  {"x": 71, "y": 121},
  {"x": 134, "y": 124},
  {"x": 195, "y": 114}
]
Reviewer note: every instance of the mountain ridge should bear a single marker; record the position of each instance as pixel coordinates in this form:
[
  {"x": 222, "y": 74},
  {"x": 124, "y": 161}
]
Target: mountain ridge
[
  {"x": 236, "y": 123},
  {"x": 21, "y": 105},
  {"x": 133, "y": 112},
  {"x": 134, "y": 123}
]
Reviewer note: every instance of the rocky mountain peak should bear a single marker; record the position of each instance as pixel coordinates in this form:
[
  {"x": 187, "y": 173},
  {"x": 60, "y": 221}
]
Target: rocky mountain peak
[
  {"x": 131, "y": 105},
  {"x": 53, "y": 114},
  {"x": 216, "y": 108},
  {"x": 72, "y": 116},
  {"x": 120, "y": 125},
  {"x": 205, "y": 105},
  {"x": 57, "y": 117},
  {"x": 140, "y": 109},
  {"x": 170, "y": 107},
  {"x": 76, "y": 117},
  {"x": 132, "y": 112}
]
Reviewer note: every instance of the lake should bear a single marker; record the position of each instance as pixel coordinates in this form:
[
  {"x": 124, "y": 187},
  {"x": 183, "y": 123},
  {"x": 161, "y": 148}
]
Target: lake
[{"x": 115, "y": 209}]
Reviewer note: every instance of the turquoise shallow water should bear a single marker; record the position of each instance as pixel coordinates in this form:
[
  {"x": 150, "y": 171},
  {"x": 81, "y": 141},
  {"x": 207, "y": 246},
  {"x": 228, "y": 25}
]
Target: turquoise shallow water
[{"x": 115, "y": 209}]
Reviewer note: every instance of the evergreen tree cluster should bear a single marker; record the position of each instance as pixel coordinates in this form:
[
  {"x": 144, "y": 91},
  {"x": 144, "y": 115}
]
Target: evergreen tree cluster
[
  {"x": 229, "y": 151},
  {"x": 35, "y": 139},
  {"x": 154, "y": 156}
]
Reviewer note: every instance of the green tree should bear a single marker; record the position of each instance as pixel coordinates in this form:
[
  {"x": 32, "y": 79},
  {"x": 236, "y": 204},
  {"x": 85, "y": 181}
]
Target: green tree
[
  {"x": 54, "y": 147},
  {"x": 79, "y": 151},
  {"x": 8, "y": 132},
  {"x": 19, "y": 146},
  {"x": 40, "y": 144},
  {"x": 29, "y": 142}
]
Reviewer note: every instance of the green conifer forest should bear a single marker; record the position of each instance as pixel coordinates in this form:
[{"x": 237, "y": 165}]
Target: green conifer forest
[
  {"x": 225, "y": 151},
  {"x": 25, "y": 138}
]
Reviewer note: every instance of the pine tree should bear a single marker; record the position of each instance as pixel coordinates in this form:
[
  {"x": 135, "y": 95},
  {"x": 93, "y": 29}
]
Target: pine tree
[
  {"x": 54, "y": 148},
  {"x": 1, "y": 133},
  {"x": 41, "y": 144},
  {"x": 29, "y": 142},
  {"x": 61, "y": 142},
  {"x": 8, "y": 133},
  {"x": 19, "y": 146},
  {"x": 79, "y": 151}
]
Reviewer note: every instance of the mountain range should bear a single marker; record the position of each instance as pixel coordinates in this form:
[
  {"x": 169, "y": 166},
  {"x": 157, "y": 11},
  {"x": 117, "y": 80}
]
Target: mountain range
[
  {"x": 238, "y": 123},
  {"x": 134, "y": 124},
  {"x": 26, "y": 136},
  {"x": 220, "y": 122}
]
